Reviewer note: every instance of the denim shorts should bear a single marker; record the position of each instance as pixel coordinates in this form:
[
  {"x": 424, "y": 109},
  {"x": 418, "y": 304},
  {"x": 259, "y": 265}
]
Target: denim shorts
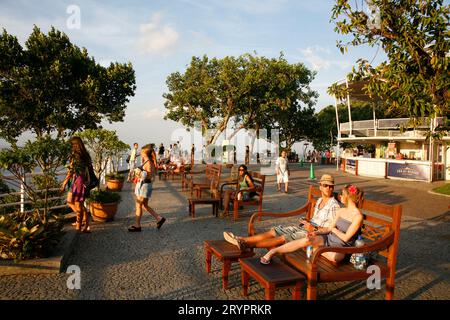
[
  {"x": 290, "y": 233},
  {"x": 143, "y": 190}
]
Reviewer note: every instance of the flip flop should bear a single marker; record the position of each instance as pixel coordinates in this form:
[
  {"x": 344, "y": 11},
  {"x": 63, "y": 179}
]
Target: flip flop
[
  {"x": 134, "y": 229},
  {"x": 263, "y": 260},
  {"x": 160, "y": 223}
]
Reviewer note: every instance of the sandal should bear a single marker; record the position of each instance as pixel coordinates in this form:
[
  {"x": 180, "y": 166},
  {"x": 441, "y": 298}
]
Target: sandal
[
  {"x": 134, "y": 229},
  {"x": 86, "y": 230},
  {"x": 263, "y": 260},
  {"x": 160, "y": 223}
]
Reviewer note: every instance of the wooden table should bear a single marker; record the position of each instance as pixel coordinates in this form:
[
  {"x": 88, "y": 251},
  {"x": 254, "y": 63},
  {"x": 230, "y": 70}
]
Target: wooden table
[
  {"x": 226, "y": 253},
  {"x": 272, "y": 277}
]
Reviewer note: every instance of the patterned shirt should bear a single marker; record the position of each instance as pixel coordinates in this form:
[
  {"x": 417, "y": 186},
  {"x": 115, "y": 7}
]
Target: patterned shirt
[{"x": 325, "y": 216}]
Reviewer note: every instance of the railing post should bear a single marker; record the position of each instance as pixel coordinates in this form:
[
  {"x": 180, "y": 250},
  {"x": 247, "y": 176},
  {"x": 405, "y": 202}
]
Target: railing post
[{"x": 22, "y": 195}]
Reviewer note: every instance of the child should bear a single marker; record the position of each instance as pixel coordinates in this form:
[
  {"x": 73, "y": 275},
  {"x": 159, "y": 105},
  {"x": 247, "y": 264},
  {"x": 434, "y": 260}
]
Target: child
[{"x": 282, "y": 171}]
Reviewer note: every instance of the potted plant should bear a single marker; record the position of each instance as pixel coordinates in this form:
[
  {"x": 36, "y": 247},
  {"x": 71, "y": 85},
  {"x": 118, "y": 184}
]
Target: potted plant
[
  {"x": 103, "y": 205},
  {"x": 114, "y": 181}
]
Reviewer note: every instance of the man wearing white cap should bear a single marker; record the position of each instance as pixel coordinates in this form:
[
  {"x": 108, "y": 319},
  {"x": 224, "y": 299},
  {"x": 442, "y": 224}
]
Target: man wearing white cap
[{"x": 324, "y": 214}]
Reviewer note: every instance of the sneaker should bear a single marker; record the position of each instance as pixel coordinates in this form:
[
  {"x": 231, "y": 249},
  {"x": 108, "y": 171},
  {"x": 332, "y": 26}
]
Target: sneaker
[{"x": 230, "y": 238}]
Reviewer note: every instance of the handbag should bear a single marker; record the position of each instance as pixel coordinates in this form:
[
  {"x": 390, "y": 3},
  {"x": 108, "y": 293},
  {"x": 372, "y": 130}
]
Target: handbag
[{"x": 93, "y": 181}]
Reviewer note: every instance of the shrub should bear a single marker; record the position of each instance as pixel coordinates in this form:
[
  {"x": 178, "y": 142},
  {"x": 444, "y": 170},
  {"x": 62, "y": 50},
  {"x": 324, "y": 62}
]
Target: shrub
[
  {"x": 104, "y": 196},
  {"x": 115, "y": 176},
  {"x": 27, "y": 235}
]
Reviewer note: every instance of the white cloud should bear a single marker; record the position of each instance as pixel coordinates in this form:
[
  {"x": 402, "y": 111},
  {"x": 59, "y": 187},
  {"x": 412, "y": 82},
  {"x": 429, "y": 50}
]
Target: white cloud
[
  {"x": 157, "y": 37},
  {"x": 313, "y": 55},
  {"x": 153, "y": 114}
]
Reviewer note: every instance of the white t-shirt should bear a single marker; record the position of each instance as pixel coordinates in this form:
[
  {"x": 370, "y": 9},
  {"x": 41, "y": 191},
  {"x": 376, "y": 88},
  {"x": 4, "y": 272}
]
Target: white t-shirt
[{"x": 282, "y": 165}]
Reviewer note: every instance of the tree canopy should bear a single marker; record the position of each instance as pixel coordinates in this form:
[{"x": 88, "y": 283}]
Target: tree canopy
[
  {"x": 249, "y": 91},
  {"x": 51, "y": 85},
  {"x": 414, "y": 35}
]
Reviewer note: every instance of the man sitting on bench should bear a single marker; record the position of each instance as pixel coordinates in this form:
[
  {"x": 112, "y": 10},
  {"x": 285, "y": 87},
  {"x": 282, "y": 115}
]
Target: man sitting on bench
[{"x": 324, "y": 214}]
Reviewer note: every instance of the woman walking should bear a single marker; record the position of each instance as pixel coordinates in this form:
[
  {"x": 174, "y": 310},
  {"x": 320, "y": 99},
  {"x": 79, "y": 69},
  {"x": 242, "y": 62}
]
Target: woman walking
[
  {"x": 78, "y": 174},
  {"x": 144, "y": 188}
]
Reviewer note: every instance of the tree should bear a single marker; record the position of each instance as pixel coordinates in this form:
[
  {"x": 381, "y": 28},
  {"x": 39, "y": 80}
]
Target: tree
[
  {"x": 45, "y": 156},
  {"x": 52, "y": 86},
  {"x": 296, "y": 124},
  {"x": 247, "y": 90},
  {"x": 414, "y": 34},
  {"x": 103, "y": 146}
]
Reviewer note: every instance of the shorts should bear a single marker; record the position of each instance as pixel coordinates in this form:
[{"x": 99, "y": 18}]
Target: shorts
[
  {"x": 143, "y": 190},
  {"x": 290, "y": 233},
  {"x": 283, "y": 177}
]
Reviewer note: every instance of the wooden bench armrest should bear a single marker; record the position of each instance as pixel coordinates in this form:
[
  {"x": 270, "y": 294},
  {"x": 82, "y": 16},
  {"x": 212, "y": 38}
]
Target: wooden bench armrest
[
  {"x": 381, "y": 244},
  {"x": 296, "y": 212},
  {"x": 226, "y": 184}
]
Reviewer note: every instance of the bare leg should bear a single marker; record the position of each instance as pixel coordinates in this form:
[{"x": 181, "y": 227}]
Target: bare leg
[
  {"x": 267, "y": 239},
  {"x": 278, "y": 186},
  {"x": 139, "y": 204},
  {"x": 226, "y": 201},
  {"x": 286, "y": 187},
  {"x": 293, "y": 246},
  {"x": 150, "y": 210}
]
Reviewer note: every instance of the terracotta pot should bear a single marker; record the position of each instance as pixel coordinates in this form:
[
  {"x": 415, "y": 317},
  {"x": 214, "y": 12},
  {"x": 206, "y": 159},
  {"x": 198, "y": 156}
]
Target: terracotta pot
[
  {"x": 103, "y": 212},
  {"x": 114, "y": 184}
]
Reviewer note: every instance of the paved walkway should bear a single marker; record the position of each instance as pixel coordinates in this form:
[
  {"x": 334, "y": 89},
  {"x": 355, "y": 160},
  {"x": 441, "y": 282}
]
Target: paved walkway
[{"x": 169, "y": 263}]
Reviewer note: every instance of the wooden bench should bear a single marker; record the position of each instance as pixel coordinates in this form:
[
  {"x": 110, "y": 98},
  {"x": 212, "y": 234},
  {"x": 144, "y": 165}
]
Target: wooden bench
[
  {"x": 380, "y": 231},
  {"x": 225, "y": 253},
  {"x": 212, "y": 198},
  {"x": 257, "y": 200},
  {"x": 212, "y": 171},
  {"x": 272, "y": 277}
]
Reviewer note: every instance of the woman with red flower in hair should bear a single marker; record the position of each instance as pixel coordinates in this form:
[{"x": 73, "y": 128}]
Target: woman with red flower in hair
[{"x": 342, "y": 232}]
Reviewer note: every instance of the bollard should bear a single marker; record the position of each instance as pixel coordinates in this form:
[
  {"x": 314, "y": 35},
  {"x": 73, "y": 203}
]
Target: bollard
[{"x": 311, "y": 173}]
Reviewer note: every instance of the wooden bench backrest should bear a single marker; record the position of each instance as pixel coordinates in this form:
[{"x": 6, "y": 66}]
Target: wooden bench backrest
[
  {"x": 258, "y": 180},
  {"x": 213, "y": 170},
  {"x": 379, "y": 219}
]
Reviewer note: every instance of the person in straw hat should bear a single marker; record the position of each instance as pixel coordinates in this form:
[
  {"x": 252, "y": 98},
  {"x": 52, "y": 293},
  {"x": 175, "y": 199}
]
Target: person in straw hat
[{"x": 324, "y": 214}]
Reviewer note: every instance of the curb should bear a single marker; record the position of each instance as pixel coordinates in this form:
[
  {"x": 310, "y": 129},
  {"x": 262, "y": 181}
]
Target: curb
[
  {"x": 51, "y": 265},
  {"x": 439, "y": 194}
]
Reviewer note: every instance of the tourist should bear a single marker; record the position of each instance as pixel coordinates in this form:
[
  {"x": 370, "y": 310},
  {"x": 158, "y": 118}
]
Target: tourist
[
  {"x": 161, "y": 151},
  {"x": 78, "y": 174},
  {"x": 245, "y": 182},
  {"x": 247, "y": 155},
  {"x": 282, "y": 171},
  {"x": 342, "y": 232},
  {"x": 144, "y": 188},
  {"x": 132, "y": 162},
  {"x": 324, "y": 214}
]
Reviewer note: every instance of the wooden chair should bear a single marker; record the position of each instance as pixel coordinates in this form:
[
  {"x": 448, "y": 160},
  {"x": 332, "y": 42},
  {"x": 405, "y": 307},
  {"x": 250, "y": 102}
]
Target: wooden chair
[
  {"x": 257, "y": 200},
  {"x": 212, "y": 171},
  {"x": 213, "y": 198},
  {"x": 381, "y": 230}
]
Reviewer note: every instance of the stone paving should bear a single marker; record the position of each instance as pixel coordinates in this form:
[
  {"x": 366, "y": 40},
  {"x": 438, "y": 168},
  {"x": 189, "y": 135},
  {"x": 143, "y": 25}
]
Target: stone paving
[{"x": 169, "y": 263}]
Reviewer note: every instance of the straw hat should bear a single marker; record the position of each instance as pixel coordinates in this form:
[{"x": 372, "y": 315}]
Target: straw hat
[{"x": 327, "y": 179}]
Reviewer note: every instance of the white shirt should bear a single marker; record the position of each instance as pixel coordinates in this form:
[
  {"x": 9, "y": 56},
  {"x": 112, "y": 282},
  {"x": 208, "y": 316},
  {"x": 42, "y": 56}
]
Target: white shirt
[{"x": 325, "y": 216}]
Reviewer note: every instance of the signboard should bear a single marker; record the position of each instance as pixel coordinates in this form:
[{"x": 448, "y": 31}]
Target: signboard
[
  {"x": 350, "y": 166},
  {"x": 412, "y": 171},
  {"x": 392, "y": 149}
]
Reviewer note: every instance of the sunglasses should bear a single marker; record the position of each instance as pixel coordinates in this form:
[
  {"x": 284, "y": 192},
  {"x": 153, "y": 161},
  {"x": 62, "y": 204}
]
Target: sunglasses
[{"x": 326, "y": 186}]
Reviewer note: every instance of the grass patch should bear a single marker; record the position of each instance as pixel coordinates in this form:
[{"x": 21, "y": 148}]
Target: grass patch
[{"x": 445, "y": 189}]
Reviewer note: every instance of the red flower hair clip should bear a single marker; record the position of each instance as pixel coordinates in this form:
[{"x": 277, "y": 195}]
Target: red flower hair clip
[{"x": 352, "y": 189}]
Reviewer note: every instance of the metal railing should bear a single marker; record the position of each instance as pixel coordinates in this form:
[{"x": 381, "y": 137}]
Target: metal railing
[
  {"x": 386, "y": 124},
  {"x": 12, "y": 181}
]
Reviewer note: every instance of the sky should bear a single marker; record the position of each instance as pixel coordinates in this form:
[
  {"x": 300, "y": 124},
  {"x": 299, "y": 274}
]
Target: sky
[{"x": 160, "y": 37}]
